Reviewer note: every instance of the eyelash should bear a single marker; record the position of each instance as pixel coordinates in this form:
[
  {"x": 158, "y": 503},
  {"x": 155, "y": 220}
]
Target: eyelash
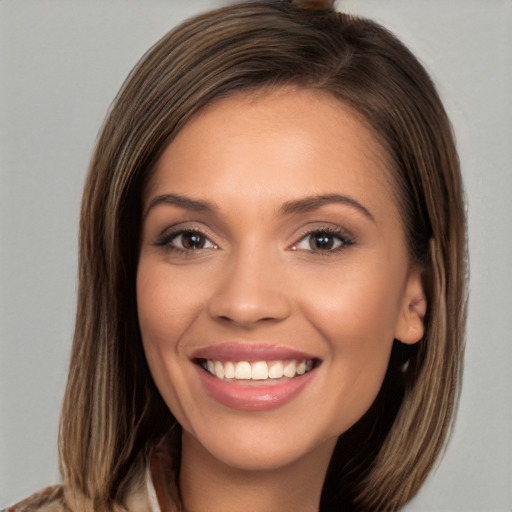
[
  {"x": 167, "y": 238},
  {"x": 345, "y": 240},
  {"x": 343, "y": 237}
]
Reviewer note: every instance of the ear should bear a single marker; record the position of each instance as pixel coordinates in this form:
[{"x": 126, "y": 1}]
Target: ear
[{"x": 410, "y": 327}]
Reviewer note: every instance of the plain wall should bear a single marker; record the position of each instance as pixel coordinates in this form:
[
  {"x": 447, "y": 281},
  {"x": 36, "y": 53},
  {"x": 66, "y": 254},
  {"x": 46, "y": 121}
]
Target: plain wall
[{"x": 61, "y": 64}]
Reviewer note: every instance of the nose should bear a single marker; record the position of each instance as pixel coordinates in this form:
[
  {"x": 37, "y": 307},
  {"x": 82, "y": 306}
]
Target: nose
[{"x": 251, "y": 291}]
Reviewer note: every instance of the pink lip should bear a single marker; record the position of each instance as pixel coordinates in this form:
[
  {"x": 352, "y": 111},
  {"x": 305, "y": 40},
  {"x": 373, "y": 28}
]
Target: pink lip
[
  {"x": 253, "y": 397},
  {"x": 257, "y": 396},
  {"x": 250, "y": 352}
]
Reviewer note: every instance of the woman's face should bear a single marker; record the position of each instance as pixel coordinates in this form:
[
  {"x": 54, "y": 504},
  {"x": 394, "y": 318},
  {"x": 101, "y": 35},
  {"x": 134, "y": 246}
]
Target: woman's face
[{"x": 273, "y": 276}]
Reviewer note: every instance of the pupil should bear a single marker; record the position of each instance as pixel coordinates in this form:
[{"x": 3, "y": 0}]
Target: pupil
[
  {"x": 192, "y": 241},
  {"x": 321, "y": 241}
]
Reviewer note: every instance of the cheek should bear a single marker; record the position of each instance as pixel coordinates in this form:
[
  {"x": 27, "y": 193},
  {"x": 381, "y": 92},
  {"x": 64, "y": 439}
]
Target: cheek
[
  {"x": 163, "y": 318},
  {"x": 356, "y": 317},
  {"x": 359, "y": 302},
  {"x": 165, "y": 304}
]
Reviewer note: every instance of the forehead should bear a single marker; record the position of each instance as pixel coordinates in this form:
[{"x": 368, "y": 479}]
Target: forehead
[{"x": 274, "y": 143}]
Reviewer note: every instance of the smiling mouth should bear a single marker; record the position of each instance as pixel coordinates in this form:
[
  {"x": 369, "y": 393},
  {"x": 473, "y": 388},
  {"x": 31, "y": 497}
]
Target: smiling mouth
[{"x": 276, "y": 370}]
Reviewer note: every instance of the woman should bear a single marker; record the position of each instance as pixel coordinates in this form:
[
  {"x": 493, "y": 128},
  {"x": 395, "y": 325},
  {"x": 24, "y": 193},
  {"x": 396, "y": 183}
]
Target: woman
[{"x": 272, "y": 236}]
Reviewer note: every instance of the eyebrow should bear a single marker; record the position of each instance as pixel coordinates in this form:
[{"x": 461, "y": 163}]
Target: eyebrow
[
  {"x": 309, "y": 204},
  {"x": 304, "y": 205},
  {"x": 197, "y": 205}
]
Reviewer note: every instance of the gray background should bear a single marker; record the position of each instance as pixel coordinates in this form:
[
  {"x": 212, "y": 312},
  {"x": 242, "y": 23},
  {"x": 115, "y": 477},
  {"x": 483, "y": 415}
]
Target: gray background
[{"x": 61, "y": 63}]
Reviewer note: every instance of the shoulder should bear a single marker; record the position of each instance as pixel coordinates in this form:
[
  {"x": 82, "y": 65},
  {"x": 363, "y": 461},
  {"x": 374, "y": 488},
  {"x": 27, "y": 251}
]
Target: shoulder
[
  {"x": 140, "y": 490},
  {"x": 50, "y": 499},
  {"x": 60, "y": 499}
]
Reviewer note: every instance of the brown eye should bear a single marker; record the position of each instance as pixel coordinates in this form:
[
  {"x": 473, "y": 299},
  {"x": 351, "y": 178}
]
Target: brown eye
[
  {"x": 322, "y": 241},
  {"x": 191, "y": 240},
  {"x": 187, "y": 241}
]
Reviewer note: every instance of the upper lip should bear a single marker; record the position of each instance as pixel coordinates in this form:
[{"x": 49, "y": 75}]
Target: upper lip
[{"x": 250, "y": 352}]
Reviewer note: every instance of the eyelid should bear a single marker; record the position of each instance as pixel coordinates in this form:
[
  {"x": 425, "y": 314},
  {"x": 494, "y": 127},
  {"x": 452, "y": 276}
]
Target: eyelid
[
  {"x": 346, "y": 238},
  {"x": 165, "y": 238}
]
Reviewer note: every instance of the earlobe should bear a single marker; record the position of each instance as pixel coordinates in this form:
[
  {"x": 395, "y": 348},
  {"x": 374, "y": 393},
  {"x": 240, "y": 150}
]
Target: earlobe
[{"x": 410, "y": 327}]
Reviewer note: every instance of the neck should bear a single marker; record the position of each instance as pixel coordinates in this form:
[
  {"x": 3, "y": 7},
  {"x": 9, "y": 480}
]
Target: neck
[{"x": 208, "y": 484}]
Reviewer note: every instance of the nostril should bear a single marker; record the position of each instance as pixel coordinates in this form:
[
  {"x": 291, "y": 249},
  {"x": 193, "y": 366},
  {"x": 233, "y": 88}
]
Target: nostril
[
  {"x": 247, "y": 322},
  {"x": 250, "y": 314},
  {"x": 243, "y": 297}
]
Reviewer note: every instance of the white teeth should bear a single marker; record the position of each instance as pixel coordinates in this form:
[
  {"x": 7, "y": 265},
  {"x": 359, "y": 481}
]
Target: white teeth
[
  {"x": 243, "y": 370},
  {"x": 290, "y": 369},
  {"x": 275, "y": 370},
  {"x": 229, "y": 370},
  {"x": 219, "y": 369},
  {"x": 257, "y": 370}
]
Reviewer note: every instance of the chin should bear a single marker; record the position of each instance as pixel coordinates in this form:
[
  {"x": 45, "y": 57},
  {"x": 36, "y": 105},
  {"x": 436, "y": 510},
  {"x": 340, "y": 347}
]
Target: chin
[{"x": 259, "y": 445}]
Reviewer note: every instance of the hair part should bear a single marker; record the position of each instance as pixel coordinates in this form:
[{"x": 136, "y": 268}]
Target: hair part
[{"x": 112, "y": 410}]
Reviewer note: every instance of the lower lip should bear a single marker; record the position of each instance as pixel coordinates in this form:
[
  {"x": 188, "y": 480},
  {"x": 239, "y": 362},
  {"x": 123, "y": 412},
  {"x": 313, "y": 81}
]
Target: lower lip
[{"x": 253, "y": 397}]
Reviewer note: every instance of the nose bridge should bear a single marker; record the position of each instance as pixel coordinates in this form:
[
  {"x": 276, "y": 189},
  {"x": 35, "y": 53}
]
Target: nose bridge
[{"x": 251, "y": 289}]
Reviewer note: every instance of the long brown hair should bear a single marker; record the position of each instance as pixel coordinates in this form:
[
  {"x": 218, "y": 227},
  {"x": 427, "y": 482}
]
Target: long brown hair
[{"x": 112, "y": 410}]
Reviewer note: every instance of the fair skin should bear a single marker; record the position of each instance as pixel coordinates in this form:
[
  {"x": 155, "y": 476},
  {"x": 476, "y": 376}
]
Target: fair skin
[{"x": 270, "y": 225}]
